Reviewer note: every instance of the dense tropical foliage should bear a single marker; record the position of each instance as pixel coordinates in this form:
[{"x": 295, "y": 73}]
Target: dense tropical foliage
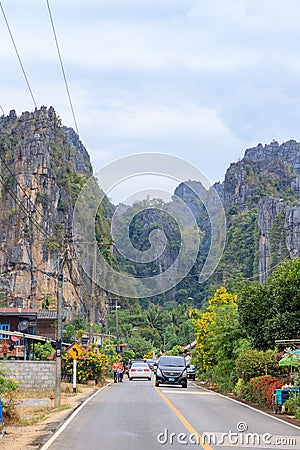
[
  {"x": 270, "y": 311},
  {"x": 236, "y": 333}
]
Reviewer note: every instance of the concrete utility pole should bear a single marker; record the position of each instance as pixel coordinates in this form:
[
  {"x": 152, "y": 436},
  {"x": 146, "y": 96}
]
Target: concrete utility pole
[
  {"x": 117, "y": 325},
  {"x": 60, "y": 299},
  {"x": 92, "y": 310}
]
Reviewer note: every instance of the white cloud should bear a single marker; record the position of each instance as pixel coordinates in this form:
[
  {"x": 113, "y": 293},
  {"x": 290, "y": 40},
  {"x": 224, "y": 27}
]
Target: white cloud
[{"x": 201, "y": 79}]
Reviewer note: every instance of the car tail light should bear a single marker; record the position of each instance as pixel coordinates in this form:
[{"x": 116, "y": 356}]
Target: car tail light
[
  {"x": 146, "y": 370},
  {"x": 132, "y": 370}
]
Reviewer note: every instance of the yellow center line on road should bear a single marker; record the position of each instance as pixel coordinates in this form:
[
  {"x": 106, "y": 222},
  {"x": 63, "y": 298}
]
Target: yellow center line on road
[{"x": 181, "y": 417}]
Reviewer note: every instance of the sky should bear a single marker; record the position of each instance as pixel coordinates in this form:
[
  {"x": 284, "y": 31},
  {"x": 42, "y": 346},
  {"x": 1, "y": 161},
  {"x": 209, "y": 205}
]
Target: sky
[{"x": 199, "y": 79}]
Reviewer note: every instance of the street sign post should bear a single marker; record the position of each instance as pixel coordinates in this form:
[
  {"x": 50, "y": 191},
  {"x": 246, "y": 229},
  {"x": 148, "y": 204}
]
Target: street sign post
[
  {"x": 74, "y": 351},
  {"x": 74, "y": 375}
]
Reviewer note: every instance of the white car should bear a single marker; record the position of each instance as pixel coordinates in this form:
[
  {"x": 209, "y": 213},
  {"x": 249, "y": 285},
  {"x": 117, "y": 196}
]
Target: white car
[{"x": 139, "y": 370}]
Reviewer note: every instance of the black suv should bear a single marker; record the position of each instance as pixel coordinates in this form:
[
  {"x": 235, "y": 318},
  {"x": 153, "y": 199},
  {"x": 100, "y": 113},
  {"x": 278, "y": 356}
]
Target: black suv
[{"x": 171, "y": 370}]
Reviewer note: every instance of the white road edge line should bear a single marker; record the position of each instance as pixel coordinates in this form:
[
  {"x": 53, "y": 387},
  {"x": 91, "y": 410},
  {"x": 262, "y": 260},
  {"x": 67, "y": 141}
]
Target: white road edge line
[
  {"x": 250, "y": 407},
  {"x": 74, "y": 414}
]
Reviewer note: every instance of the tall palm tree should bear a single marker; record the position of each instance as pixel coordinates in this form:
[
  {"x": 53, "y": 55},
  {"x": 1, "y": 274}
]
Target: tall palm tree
[{"x": 154, "y": 317}]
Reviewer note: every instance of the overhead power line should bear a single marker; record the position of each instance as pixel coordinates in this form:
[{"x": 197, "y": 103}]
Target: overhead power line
[
  {"x": 18, "y": 55},
  {"x": 62, "y": 66},
  {"x": 20, "y": 204},
  {"x": 2, "y": 110},
  {"x": 23, "y": 208},
  {"x": 25, "y": 196}
]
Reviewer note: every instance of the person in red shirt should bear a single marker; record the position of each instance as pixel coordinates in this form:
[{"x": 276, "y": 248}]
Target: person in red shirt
[
  {"x": 121, "y": 370},
  {"x": 115, "y": 368}
]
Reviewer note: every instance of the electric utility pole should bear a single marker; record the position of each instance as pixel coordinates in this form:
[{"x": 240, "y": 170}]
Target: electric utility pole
[
  {"x": 117, "y": 325},
  {"x": 60, "y": 300},
  {"x": 92, "y": 310}
]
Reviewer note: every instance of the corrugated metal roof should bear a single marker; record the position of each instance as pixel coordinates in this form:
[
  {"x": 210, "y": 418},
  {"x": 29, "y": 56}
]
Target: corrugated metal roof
[{"x": 18, "y": 312}]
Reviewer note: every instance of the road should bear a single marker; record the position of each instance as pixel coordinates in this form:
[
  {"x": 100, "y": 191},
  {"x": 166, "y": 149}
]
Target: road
[{"x": 136, "y": 415}]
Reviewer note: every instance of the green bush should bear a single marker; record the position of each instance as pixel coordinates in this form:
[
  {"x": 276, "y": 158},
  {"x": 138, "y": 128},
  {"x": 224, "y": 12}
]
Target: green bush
[
  {"x": 224, "y": 376},
  {"x": 253, "y": 363},
  {"x": 176, "y": 350},
  {"x": 43, "y": 352},
  {"x": 292, "y": 405},
  {"x": 241, "y": 389},
  {"x": 8, "y": 394}
]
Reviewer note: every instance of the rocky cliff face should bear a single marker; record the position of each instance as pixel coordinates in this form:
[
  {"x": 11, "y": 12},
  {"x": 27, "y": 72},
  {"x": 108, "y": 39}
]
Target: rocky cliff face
[
  {"x": 42, "y": 168},
  {"x": 267, "y": 180},
  {"x": 260, "y": 195}
]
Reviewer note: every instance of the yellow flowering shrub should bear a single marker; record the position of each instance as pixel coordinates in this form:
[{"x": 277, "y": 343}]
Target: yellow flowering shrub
[
  {"x": 91, "y": 365},
  {"x": 208, "y": 325}
]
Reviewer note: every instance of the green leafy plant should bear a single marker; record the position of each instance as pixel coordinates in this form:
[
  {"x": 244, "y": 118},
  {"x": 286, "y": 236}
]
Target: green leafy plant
[
  {"x": 217, "y": 333},
  {"x": 241, "y": 389},
  {"x": 269, "y": 311},
  {"x": 252, "y": 363},
  {"x": 8, "y": 395},
  {"x": 292, "y": 405},
  {"x": 43, "y": 352}
]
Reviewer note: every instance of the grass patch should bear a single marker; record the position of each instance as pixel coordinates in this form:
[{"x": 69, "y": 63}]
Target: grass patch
[
  {"x": 35, "y": 393},
  {"x": 62, "y": 408},
  {"x": 32, "y": 415},
  {"x": 66, "y": 388}
]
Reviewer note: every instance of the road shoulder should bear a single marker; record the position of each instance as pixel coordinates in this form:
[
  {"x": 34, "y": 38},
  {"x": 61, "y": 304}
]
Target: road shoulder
[
  {"x": 35, "y": 436},
  {"x": 284, "y": 417}
]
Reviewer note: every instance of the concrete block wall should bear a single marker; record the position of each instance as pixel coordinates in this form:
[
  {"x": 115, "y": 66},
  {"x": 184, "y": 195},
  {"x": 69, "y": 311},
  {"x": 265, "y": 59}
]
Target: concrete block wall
[{"x": 32, "y": 374}]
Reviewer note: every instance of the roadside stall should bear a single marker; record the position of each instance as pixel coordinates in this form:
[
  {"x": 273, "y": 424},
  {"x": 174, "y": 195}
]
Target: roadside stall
[{"x": 280, "y": 396}]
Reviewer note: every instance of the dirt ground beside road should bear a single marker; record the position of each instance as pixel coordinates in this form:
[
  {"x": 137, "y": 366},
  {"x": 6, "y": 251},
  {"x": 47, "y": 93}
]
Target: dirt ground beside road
[{"x": 34, "y": 436}]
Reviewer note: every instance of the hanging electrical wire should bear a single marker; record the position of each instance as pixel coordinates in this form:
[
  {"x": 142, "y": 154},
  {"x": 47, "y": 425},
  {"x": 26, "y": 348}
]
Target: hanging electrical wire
[
  {"x": 23, "y": 208},
  {"x": 18, "y": 55},
  {"x": 62, "y": 66},
  {"x": 25, "y": 196},
  {"x": 2, "y": 110},
  {"x": 50, "y": 273},
  {"x": 27, "y": 202},
  {"x": 267, "y": 272}
]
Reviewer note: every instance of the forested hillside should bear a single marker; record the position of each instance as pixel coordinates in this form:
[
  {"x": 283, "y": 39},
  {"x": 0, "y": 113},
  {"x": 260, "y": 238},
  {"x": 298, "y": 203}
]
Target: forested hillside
[{"x": 260, "y": 195}]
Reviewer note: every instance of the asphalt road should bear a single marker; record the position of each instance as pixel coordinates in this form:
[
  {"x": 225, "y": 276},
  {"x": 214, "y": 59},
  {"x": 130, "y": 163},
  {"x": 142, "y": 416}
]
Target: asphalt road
[{"x": 136, "y": 415}]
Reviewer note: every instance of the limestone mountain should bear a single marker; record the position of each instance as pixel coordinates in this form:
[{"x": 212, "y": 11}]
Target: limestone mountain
[
  {"x": 260, "y": 195},
  {"x": 43, "y": 166}
]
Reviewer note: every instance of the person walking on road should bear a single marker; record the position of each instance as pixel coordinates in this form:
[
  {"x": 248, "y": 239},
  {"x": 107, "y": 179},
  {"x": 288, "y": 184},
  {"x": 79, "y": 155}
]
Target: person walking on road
[
  {"x": 187, "y": 358},
  {"x": 121, "y": 370},
  {"x": 115, "y": 368}
]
